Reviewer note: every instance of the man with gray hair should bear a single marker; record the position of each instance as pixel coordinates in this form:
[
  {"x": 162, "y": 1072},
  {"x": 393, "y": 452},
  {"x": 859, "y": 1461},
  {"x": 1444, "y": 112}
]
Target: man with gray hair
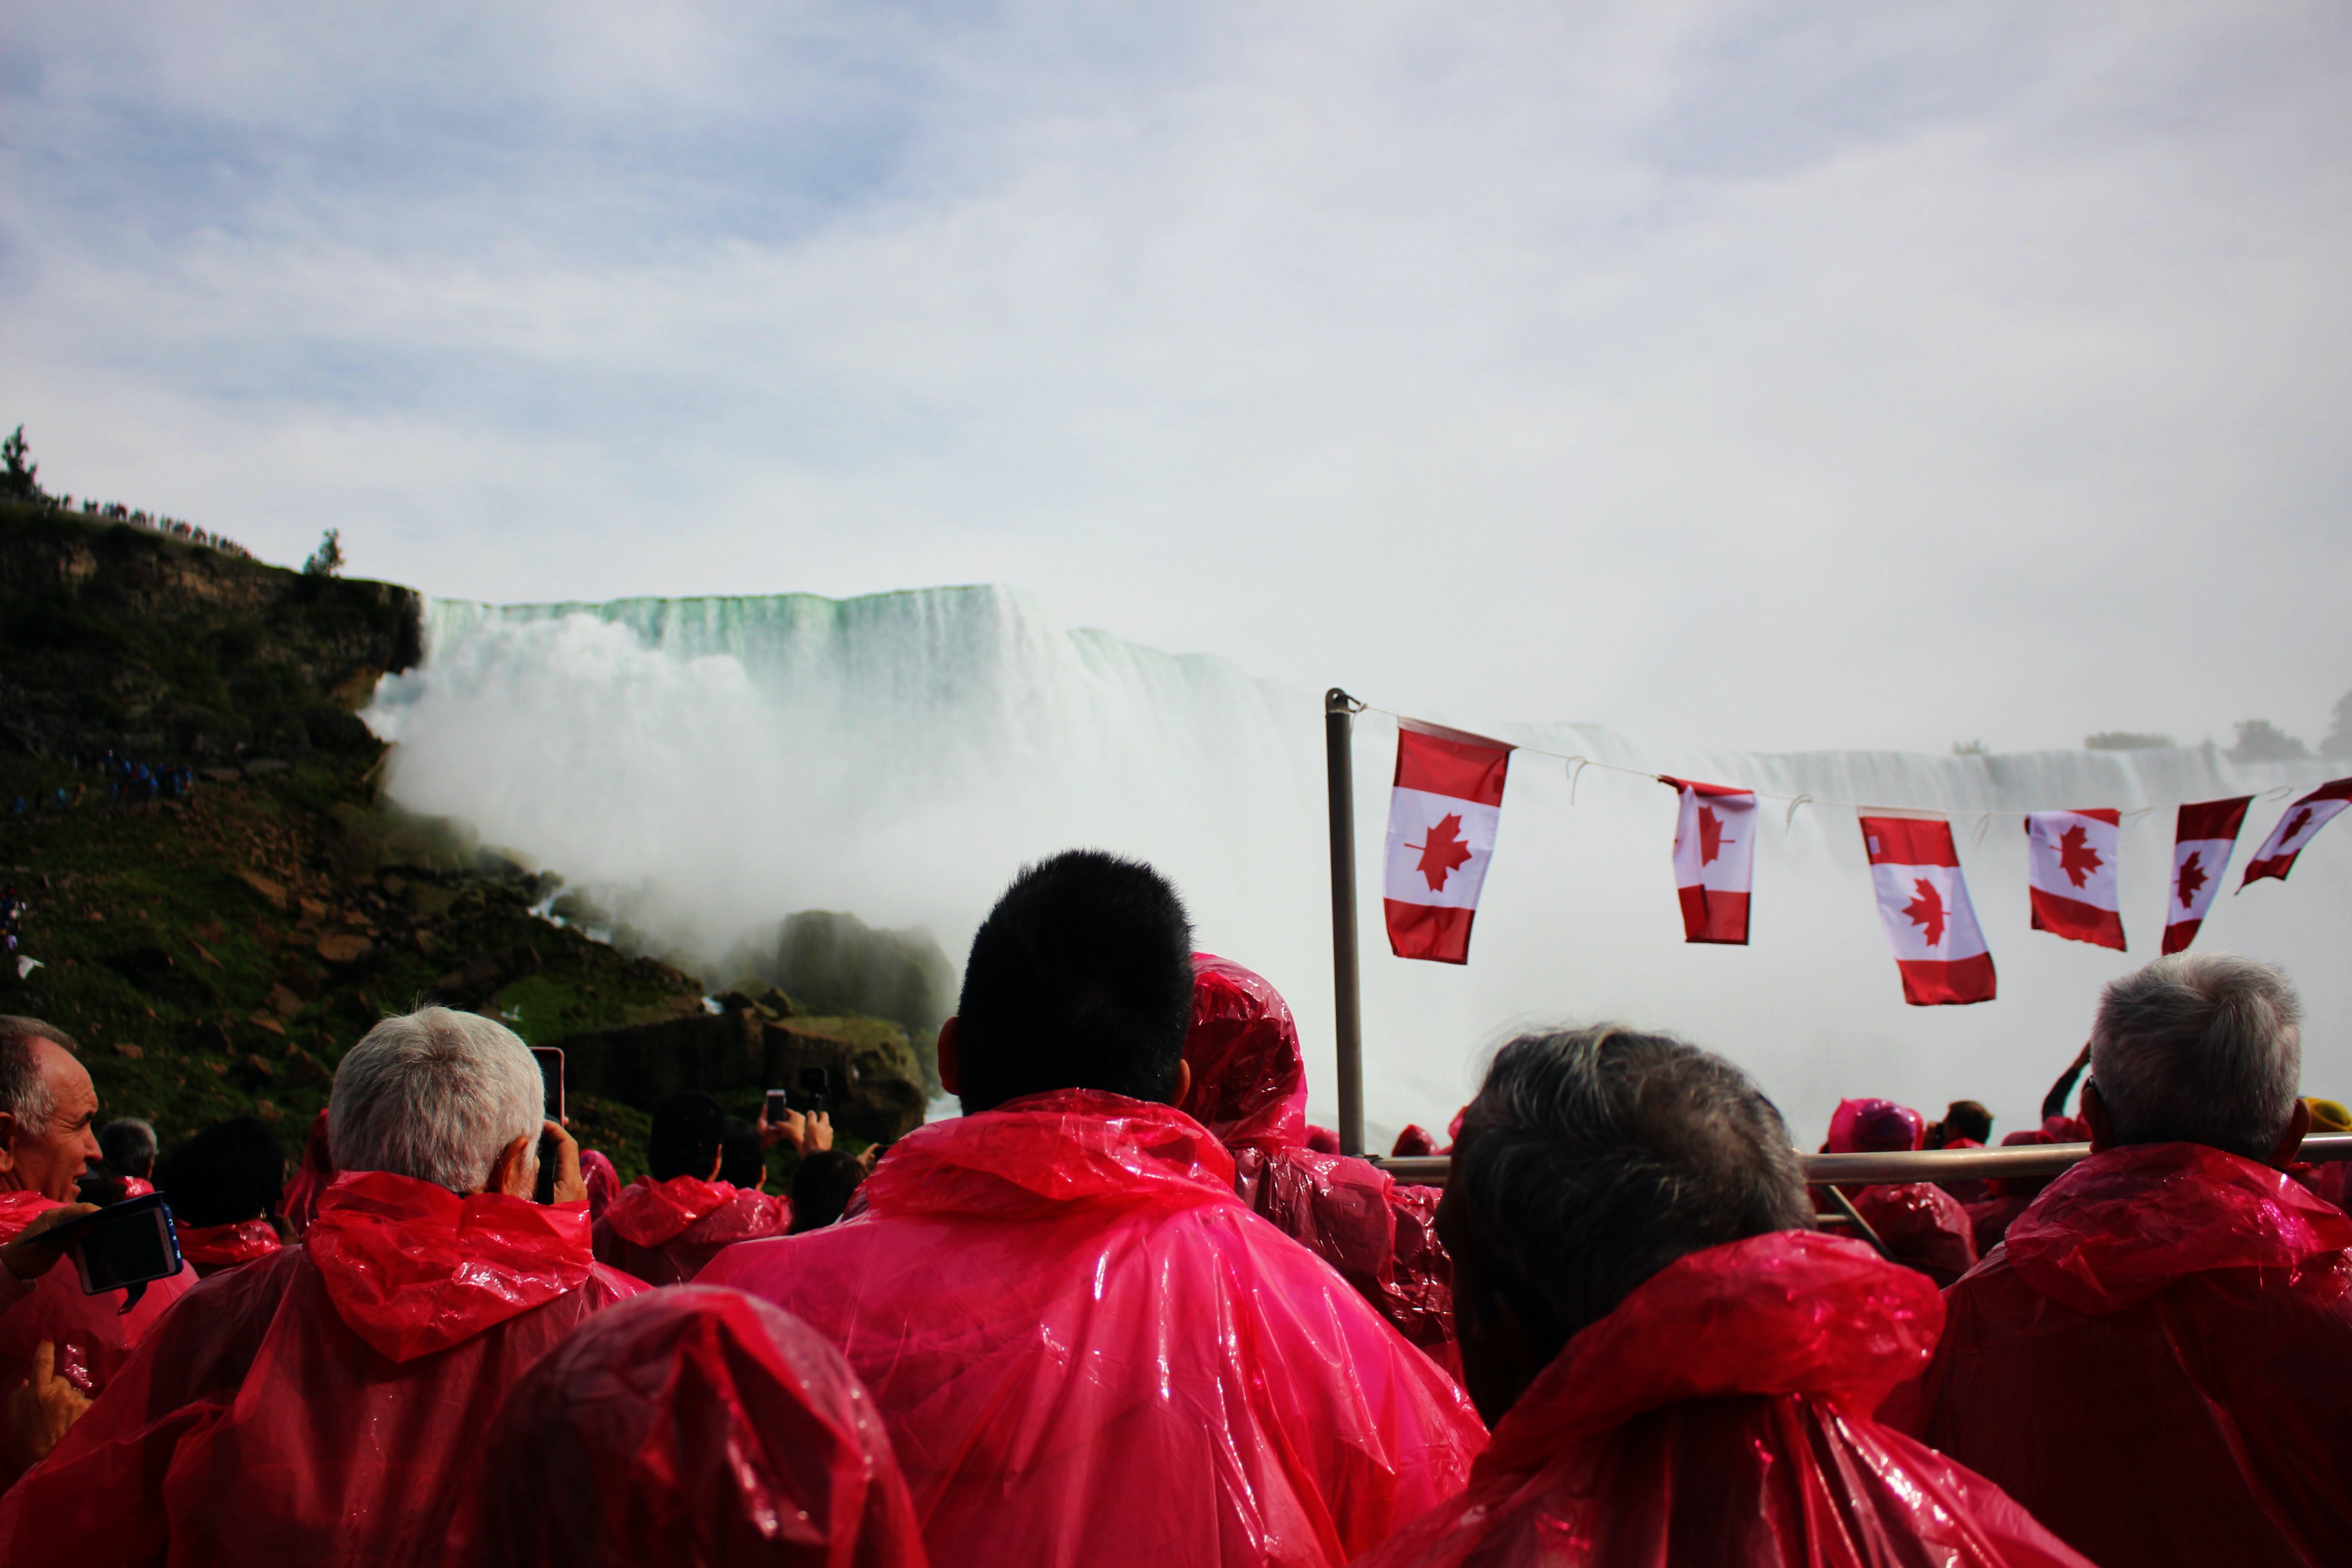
[
  {"x": 1678, "y": 1368},
  {"x": 2158, "y": 1360},
  {"x": 354, "y": 1370}
]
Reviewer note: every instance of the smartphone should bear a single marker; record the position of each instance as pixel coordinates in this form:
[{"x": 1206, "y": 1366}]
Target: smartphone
[
  {"x": 124, "y": 1247},
  {"x": 778, "y": 1103},
  {"x": 550, "y": 1079},
  {"x": 810, "y": 1095}
]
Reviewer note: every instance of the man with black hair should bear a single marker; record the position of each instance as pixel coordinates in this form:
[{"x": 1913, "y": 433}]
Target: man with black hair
[
  {"x": 668, "y": 1224},
  {"x": 222, "y": 1186},
  {"x": 743, "y": 1157},
  {"x": 128, "y": 1144},
  {"x": 1087, "y": 1349},
  {"x": 1678, "y": 1368}
]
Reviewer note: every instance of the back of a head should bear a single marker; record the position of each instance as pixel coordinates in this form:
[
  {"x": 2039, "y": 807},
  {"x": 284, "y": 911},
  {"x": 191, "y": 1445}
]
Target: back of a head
[
  {"x": 436, "y": 1095},
  {"x": 823, "y": 1187},
  {"x": 1593, "y": 1158},
  {"x": 1874, "y": 1127},
  {"x": 1249, "y": 1076},
  {"x": 128, "y": 1146},
  {"x": 685, "y": 1429},
  {"x": 688, "y": 1131},
  {"x": 1081, "y": 977},
  {"x": 1964, "y": 1118},
  {"x": 2199, "y": 1048},
  {"x": 743, "y": 1158},
  {"x": 231, "y": 1172},
  {"x": 25, "y": 1091}
]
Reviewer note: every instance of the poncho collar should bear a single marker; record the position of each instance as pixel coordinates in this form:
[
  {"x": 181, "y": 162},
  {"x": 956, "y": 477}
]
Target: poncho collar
[
  {"x": 413, "y": 1268},
  {"x": 218, "y": 1245},
  {"x": 20, "y": 1208},
  {"x": 648, "y": 1213},
  {"x": 1033, "y": 1154},
  {"x": 1790, "y": 1312},
  {"x": 2125, "y": 1223}
]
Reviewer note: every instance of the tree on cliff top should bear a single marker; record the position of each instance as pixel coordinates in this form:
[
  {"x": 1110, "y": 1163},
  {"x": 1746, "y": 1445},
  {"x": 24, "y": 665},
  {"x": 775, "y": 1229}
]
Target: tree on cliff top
[
  {"x": 21, "y": 480},
  {"x": 328, "y": 559}
]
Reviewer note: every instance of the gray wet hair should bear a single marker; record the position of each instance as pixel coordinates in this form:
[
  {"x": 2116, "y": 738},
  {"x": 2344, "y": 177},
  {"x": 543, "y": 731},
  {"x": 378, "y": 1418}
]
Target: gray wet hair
[
  {"x": 25, "y": 1091},
  {"x": 129, "y": 1145},
  {"x": 2199, "y": 1047},
  {"x": 434, "y": 1094},
  {"x": 1594, "y": 1157}
]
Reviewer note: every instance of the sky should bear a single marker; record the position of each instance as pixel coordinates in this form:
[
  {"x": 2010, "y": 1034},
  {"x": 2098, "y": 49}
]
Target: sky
[{"x": 1756, "y": 376}]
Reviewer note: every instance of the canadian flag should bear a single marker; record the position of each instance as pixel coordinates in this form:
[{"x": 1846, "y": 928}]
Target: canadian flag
[
  {"x": 2070, "y": 863},
  {"x": 1715, "y": 859},
  {"x": 2201, "y": 853},
  {"x": 1924, "y": 902},
  {"x": 1442, "y": 813},
  {"x": 2305, "y": 818}
]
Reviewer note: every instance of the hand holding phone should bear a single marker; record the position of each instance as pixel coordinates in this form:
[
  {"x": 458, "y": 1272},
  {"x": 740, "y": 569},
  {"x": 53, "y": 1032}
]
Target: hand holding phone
[{"x": 123, "y": 1247}]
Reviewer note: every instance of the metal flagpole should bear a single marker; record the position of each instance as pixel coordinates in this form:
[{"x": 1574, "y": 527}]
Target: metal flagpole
[{"x": 1338, "y": 723}]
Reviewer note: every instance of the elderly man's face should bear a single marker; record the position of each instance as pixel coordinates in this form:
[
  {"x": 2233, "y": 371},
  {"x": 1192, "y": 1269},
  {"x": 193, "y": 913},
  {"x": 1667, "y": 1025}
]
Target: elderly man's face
[{"x": 49, "y": 1159}]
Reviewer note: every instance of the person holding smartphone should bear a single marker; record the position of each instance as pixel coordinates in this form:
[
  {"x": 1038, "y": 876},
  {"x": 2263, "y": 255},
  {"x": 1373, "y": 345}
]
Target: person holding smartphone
[{"x": 667, "y": 1225}]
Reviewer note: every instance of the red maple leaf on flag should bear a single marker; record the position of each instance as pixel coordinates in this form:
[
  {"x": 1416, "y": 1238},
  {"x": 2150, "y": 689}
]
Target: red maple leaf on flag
[
  {"x": 1443, "y": 848},
  {"x": 1710, "y": 836},
  {"x": 2076, "y": 855},
  {"x": 2301, "y": 820},
  {"x": 1926, "y": 911},
  {"x": 2192, "y": 876}
]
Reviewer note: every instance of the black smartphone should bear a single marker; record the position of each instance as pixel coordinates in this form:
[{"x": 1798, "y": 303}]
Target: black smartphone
[
  {"x": 123, "y": 1246},
  {"x": 550, "y": 1079},
  {"x": 810, "y": 1095},
  {"x": 778, "y": 1103}
]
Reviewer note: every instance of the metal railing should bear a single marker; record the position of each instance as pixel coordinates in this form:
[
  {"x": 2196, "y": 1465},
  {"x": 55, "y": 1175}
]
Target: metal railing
[{"x": 1922, "y": 1165}]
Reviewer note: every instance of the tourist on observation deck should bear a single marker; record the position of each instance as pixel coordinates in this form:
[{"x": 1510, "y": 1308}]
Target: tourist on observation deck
[
  {"x": 1679, "y": 1369},
  {"x": 2158, "y": 1361},
  {"x": 1922, "y": 1225},
  {"x": 1087, "y": 1349},
  {"x": 667, "y": 1225}
]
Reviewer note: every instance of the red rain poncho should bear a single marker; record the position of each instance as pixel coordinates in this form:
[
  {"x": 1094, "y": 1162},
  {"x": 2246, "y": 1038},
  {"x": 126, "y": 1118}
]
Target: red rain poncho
[
  {"x": 2154, "y": 1364},
  {"x": 1721, "y": 1414},
  {"x": 1090, "y": 1352},
  {"x": 93, "y": 1336},
  {"x": 309, "y": 1406},
  {"x": 664, "y": 1232},
  {"x": 209, "y": 1248},
  {"x": 1249, "y": 1089},
  {"x": 688, "y": 1428},
  {"x": 1924, "y": 1226},
  {"x": 603, "y": 1182},
  {"x": 300, "y": 1203}
]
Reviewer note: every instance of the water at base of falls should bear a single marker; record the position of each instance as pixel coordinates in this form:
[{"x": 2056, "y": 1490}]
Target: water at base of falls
[{"x": 707, "y": 765}]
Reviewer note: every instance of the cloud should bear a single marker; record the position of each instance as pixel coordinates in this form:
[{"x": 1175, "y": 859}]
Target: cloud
[{"x": 1767, "y": 377}]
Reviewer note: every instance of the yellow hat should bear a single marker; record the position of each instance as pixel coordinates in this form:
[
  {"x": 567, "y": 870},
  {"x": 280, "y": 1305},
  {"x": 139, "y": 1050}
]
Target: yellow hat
[{"x": 2327, "y": 1116}]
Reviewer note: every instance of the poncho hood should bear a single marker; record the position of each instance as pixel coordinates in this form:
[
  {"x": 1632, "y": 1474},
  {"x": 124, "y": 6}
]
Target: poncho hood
[
  {"x": 2126, "y": 1222},
  {"x": 1249, "y": 1077},
  {"x": 648, "y": 1213},
  {"x": 1041, "y": 1152},
  {"x": 413, "y": 1268},
  {"x": 1791, "y": 1312}
]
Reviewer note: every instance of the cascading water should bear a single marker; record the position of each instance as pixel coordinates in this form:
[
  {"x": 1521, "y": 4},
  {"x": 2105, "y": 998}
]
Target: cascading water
[{"x": 707, "y": 765}]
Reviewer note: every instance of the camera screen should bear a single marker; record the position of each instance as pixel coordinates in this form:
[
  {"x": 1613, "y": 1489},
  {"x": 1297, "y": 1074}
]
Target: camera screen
[
  {"x": 550, "y": 1079},
  {"x": 128, "y": 1244}
]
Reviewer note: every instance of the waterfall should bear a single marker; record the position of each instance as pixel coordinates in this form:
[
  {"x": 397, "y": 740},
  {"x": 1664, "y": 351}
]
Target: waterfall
[{"x": 707, "y": 765}]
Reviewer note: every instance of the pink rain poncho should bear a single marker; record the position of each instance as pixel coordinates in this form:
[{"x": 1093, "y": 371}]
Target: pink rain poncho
[
  {"x": 310, "y": 1177},
  {"x": 309, "y": 1406},
  {"x": 603, "y": 1182},
  {"x": 1089, "y": 1351},
  {"x": 664, "y": 1232},
  {"x": 2155, "y": 1363},
  {"x": 1924, "y": 1226},
  {"x": 93, "y": 1336},
  {"x": 688, "y": 1428},
  {"x": 209, "y": 1248},
  {"x": 1721, "y": 1414},
  {"x": 1249, "y": 1089}
]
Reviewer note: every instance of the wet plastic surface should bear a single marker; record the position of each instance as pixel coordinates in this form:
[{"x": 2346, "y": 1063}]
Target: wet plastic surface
[
  {"x": 603, "y": 1182},
  {"x": 665, "y": 1232},
  {"x": 1874, "y": 1127},
  {"x": 308, "y": 1407},
  {"x": 1090, "y": 1352},
  {"x": 209, "y": 1248},
  {"x": 1249, "y": 1089},
  {"x": 1923, "y": 1226},
  {"x": 1721, "y": 1416},
  {"x": 93, "y": 1336},
  {"x": 688, "y": 1428},
  {"x": 310, "y": 1177},
  {"x": 2155, "y": 1362}
]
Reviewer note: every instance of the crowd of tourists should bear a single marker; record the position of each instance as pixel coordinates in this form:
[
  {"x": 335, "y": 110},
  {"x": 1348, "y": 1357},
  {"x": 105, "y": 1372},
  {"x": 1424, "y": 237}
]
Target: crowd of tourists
[{"x": 1131, "y": 1307}]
